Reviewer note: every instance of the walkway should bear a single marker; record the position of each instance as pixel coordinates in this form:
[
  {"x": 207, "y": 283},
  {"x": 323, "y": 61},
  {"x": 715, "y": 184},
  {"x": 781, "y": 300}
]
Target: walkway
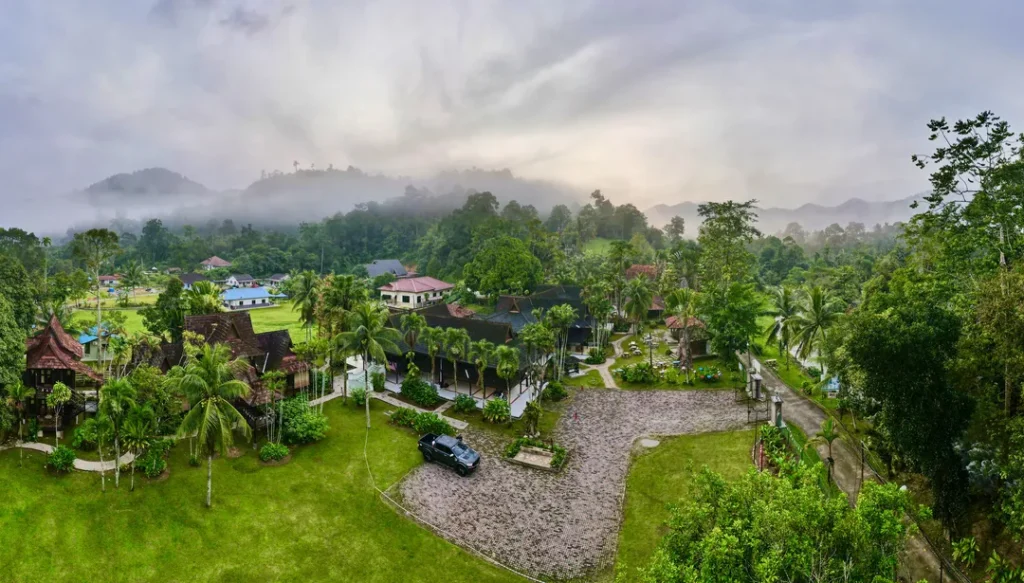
[
  {"x": 919, "y": 560},
  {"x": 82, "y": 465},
  {"x": 604, "y": 369},
  {"x": 457, "y": 424}
]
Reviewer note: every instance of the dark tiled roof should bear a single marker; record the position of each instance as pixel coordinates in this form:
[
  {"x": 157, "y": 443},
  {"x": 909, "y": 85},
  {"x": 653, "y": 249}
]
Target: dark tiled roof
[
  {"x": 242, "y": 277},
  {"x": 382, "y": 266},
  {"x": 231, "y": 328},
  {"x": 55, "y": 349},
  {"x": 190, "y": 278}
]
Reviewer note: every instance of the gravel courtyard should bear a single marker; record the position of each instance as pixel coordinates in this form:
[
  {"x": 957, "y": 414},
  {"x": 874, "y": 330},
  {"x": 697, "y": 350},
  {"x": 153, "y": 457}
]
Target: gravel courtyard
[{"x": 562, "y": 525}]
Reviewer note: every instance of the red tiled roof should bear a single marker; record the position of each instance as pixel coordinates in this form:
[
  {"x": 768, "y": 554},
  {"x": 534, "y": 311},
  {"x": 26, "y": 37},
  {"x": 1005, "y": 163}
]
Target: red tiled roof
[
  {"x": 216, "y": 262},
  {"x": 416, "y": 285},
  {"x": 54, "y": 349},
  {"x": 650, "y": 271},
  {"x": 673, "y": 323}
]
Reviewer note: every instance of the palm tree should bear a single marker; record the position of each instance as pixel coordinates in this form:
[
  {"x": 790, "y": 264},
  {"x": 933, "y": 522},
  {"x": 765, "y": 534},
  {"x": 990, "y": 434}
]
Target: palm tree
[
  {"x": 638, "y": 300},
  {"x": 17, "y": 396},
  {"x": 819, "y": 311},
  {"x": 683, "y": 304},
  {"x": 137, "y": 430},
  {"x": 103, "y": 432},
  {"x": 305, "y": 295},
  {"x": 203, "y": 298},
  {"x": 116, "y": 399},
  {"x": 210, "y": 387},
  {"x": 133, "y": 276},
  {"x": 413, "y": 325},
  {"x": 828, "y": 434},
  {"x": 433, "y": 339},
  {"x": 783, "y": 312},
  {"x": 507, "y": 359},
  {"x": 370, "y": 336},
  {"x": 559, "y": 318},
  {"x": 457, "y": 345},
  {"x": 481, "y": 352}
]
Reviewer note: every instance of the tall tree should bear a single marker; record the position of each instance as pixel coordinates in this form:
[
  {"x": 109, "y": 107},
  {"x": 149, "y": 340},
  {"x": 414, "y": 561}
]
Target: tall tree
[
  {"x": 94, "y": 248},
  {"x": 684, "y": 304},
  {"x": 12, "y": 346},
  {"x": 638, "y": 300},
  {"x": 481, "y": 352},
  {"x": 305, "y": 293},
  {"x": 167, "y": 316},
  {"x": 675, "y": 228},
  {"x": 136, "y": 434},
  {"x": 203, "y": 298},
  {"x": 507, "y": 359},
  {"x": 727, "y": 229},
  {"x": 413, "y": 325},
  {"x": 819, "y": 311},
  {"x": 18, "y": 395},
  {"x": 210, "y": 387},
  {"x": 784, "y": 313},
  {"x": 456, "y": 341},
  {"x": 433, "y": 340},
  {"x": 370, "y": 335},
  {"x": 560, "y": 319},
  {"x": 116, "y": 399},
  {"x": 133, "y": 276}
]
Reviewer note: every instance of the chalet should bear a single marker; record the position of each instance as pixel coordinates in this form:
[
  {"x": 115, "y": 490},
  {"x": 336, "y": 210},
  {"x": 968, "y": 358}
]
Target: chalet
[
  {"x": 518, "y": 311},
  {"x": 215, "y": 263},
  {"x": 279, "y": 278},
  {"x": 497, "y": 333},
  {"x": 263, "y": 353},
  {"x": 698, "y": 334},
  {"x": 240, "y": 280},
  {"x": 246, "y": 298},
  {"x": 385, "y": 266},
  {"x": 53, "y": 356},
  {"x": 413, "y": 292},
  {"x": 190, "y": 278},
  {"x": 109, "y": 280}
]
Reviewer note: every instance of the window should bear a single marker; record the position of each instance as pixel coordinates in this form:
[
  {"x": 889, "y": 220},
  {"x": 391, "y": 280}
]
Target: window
[
  {"x": 385, "y": 297},
  {"x": 419, "y": 299},
  {"x": 88, "y": 348},
  {"x": 405, "y": 299},
  {"x": 443, "y": 449}
]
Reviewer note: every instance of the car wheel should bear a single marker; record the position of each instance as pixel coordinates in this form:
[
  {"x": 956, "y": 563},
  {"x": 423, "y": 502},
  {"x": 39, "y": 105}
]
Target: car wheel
[
  {"x": 461, "y": 471},
  {"x": 427, "y": 458}
]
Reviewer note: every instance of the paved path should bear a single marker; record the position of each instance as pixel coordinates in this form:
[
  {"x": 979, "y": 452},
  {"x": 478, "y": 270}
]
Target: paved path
[
  {"x": 460, "y": 425},
  {"x": 604, "y": 369},
  {"x": 919, "y": 560},
  {"x": 562, "y": 525},
  {"x": 83, "y": 465}
]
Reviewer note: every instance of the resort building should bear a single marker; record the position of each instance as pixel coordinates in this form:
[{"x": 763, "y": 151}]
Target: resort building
[
  {"x": 413, "y": 292},
  {"x": 214, "y": 263}
]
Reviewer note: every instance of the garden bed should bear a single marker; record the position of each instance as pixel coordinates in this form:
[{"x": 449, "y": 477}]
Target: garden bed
[{"x": 536, "y": 453}]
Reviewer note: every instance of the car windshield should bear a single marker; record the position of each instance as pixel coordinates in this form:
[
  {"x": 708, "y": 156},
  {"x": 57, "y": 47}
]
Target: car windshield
[{"x": 458, "y": 449}]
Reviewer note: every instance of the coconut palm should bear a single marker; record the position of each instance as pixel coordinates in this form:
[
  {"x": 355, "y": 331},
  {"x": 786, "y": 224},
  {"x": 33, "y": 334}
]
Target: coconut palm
[
  {"x": 560, "y": 318},
  {"x": 203, "y": 298},
  {"x": 481, "y": 352},
  {"x": 683, "y": 304},
  {"x": 433, "y": 339},
  {"x": 819, "y": 311},
  {"x": 369, "y": 335},
  {"x": 132, "y": 277},
  {"x": 413, "y": 325},
  {"x": 137, "y": 430},
  {"x": 17, "y": 397},
  {"x": 638, "y": 300},
  {"x": 305, "y": 295},
  {"x": 116, "y": 399},
  {"x": 209, "y": 386},
  {"x": 507, "y": 359},
  {"x": 784, "y": 311},
  {"x": 456, "y": 342}
]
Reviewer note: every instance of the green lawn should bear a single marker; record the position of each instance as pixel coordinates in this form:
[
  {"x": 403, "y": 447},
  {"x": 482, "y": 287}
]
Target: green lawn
[
  {"x": 590, "y": 380},
  {"x": 316, "y": 518},
  {"x": 662, "y": 476},
  {"x": 263, "y": 320}
]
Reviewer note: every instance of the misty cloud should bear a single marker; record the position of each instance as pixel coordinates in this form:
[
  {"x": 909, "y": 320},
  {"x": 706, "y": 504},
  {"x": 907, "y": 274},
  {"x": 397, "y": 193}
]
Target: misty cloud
[{"x": 652, "y": 102}]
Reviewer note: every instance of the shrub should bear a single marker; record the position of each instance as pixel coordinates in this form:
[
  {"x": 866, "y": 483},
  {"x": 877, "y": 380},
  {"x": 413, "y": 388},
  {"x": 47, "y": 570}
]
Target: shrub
[
  {"x": 193, "y": 460},
  {"x": 33, "y": 430},
  {"x": 596, "y": 355},
  {"x": 152, "y": 463},
  {"x": 641, "y": 372},
  {"x": 497, "y": 411},
  {"x": 359, "y": 396},
  {"x": 84, "y": 436},
  {"x": 273, "y": 452},
  {"x": 806, "y": 386},
  {"x": 558, "y": 459},
  {"x": 432, "y": 423},
  {"x": 404, "y": 417},
  {"x": 814, "y": 372},
  {"x": 555, "y": 391},
  {"x": 377, "y": 381},
  {"x": 301, "y": 423},
  {"x": 420, "y": 391},
  {"x": 61, "y": 459},
  {"x": 464, "y": 404}
]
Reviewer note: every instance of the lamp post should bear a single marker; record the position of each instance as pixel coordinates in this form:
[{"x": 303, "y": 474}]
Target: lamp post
[{"x": 650, "y": 346}]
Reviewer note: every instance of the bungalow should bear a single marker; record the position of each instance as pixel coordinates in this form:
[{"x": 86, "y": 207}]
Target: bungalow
[
  {"x": 53, "y": 356},
  {"x": 109, "y": 280},
  {"x": 385, "y": 266},
  {"x": 214, "y": 263},
  {"x": 240, "y": 280},
  {"x": 246, "y": 298},
  {"x": 279, "y": 278},
  {"x": 698, "y": 334},
  {"x": 414, "y": 292},
  {"x": 190, "y": 278}
]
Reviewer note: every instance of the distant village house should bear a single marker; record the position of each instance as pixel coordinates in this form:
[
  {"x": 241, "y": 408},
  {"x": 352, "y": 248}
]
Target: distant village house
[{"x": 214, "y": 263}]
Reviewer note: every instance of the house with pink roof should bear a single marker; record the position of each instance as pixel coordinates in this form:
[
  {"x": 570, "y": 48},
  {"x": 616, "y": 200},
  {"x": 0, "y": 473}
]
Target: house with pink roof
[{"x": 413, "y": 292}]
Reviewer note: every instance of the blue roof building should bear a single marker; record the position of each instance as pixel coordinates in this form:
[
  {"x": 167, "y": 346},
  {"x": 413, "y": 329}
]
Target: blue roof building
[{"x": 244, "y": 298}]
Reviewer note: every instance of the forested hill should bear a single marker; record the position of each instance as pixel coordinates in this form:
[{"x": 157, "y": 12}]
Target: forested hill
[
  {"x": 150, "y": 181},
  {"x": 810, "y": 216}
]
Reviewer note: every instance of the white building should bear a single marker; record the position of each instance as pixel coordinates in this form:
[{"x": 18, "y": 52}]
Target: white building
[
  {"x": 414, "y": 292},
  {"x": 246, "y": 298}
]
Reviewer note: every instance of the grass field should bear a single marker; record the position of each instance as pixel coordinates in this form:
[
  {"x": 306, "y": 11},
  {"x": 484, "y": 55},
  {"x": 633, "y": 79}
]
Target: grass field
[
  {"x": 662, "y": 476},
  {"x": 590, "y": 380},
  {"x": 263, "y": 320},
  {"x": 316, "y": 518}
]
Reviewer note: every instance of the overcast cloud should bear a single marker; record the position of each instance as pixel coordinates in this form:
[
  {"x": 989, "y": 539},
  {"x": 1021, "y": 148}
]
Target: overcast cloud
[{"x": 651, "y": 101}]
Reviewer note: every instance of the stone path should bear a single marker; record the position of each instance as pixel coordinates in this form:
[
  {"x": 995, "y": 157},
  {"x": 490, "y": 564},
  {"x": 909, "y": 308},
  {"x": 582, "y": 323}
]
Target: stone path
[
  {"x": 919, "y": 561},
  {"x": 604, "y": 369},
  {"x": 83, "y": 465},
  {"x": 565, "y": 525}
]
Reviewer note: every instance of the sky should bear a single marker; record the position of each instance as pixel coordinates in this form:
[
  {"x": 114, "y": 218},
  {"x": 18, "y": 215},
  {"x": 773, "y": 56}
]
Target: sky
[{"x": 657, "y": 101}]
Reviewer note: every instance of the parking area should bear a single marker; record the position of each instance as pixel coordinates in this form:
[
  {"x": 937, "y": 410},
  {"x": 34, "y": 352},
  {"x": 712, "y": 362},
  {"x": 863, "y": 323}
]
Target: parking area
[{"x": 562, "y": 525}]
